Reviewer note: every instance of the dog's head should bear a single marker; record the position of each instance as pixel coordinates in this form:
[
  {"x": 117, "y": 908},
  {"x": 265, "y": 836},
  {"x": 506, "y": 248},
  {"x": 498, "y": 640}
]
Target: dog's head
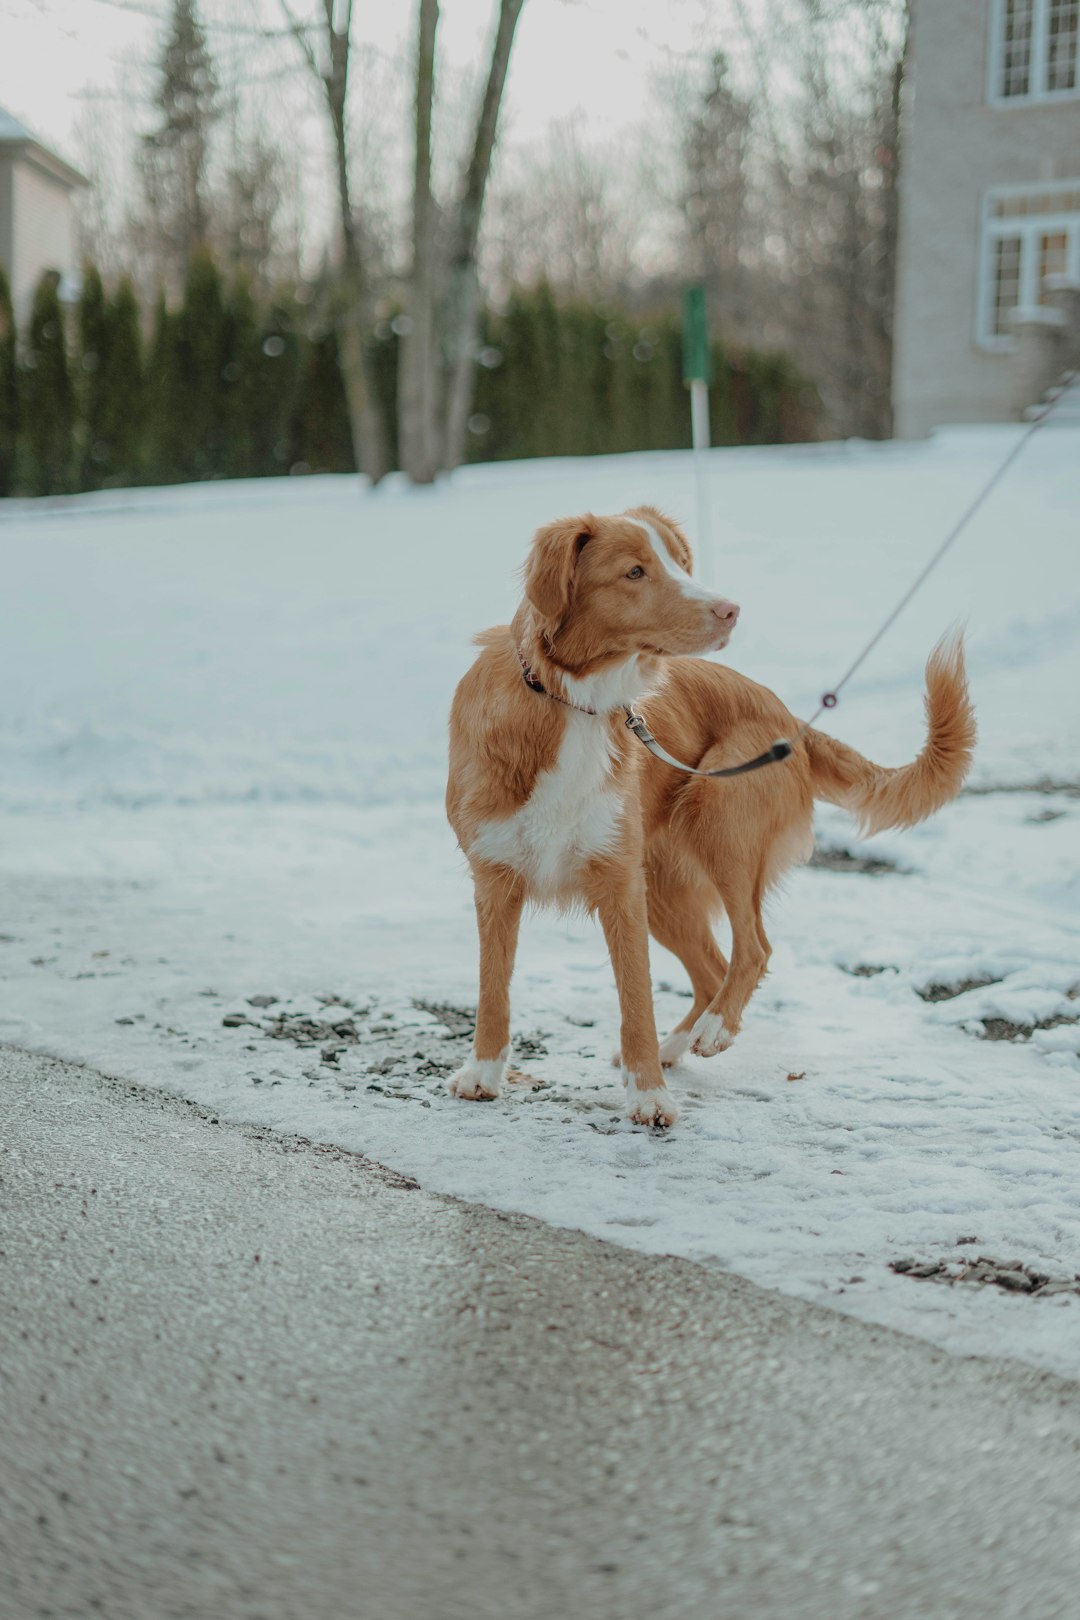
[{"x": 607, "y": 587}]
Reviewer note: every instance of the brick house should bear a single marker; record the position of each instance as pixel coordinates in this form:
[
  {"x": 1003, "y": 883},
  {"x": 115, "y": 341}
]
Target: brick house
[
  {"x": 988, "y": 272},
  {"x": 37, "y": 225}
]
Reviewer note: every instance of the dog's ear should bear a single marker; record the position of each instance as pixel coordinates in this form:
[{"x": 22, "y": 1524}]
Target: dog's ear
[
  {"x": 684, "y": 552},
  {"x": 549, "y": 568}
]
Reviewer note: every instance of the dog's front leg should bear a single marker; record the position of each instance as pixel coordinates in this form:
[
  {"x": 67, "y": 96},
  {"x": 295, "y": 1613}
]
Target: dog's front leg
[
  {"x": 499, "y": 899},
  {"x": 623, "y": 918}
]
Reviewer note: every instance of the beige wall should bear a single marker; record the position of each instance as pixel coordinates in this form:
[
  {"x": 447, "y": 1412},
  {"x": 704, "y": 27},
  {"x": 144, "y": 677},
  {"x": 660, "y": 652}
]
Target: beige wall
[
  {"x": 37, "y": 228},
  {"x": 956, "y": 147}
]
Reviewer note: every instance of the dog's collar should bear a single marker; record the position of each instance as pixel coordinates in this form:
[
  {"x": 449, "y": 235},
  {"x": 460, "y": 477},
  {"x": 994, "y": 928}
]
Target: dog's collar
[
  {"x": 636, "y": 723},
  {"x": 535, "y": 684}
]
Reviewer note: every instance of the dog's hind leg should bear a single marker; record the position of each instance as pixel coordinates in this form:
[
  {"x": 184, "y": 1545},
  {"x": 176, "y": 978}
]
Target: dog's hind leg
[
  {"x": 499, "y": 897},
  {"x": 721, "y": 1021},
  {"x": 679, "y": 919}
]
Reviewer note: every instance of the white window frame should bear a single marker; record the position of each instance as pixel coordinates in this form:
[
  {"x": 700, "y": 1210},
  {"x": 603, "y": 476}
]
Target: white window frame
[
  {"x": 1040, "y": 60},
  {"x": 1029, "y": 228}
]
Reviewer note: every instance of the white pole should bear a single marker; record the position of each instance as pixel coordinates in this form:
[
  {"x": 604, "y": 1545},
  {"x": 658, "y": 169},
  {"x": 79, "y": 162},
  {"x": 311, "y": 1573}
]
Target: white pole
[
  {"x": 699, "y": 412},
  {"x": 699, "y": 420}
]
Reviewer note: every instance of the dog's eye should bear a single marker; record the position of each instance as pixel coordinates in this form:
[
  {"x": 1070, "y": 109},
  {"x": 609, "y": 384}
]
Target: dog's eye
[{"x": 636, "y": 573}]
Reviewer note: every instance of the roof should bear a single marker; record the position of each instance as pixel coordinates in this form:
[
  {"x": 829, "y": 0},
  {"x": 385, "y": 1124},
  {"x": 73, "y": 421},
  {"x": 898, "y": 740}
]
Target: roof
[
  {"x": 15, "y": 134},
  {"x": 11, "y": 129}
]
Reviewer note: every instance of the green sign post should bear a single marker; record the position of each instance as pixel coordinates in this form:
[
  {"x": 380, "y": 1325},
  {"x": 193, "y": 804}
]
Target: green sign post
[
  {"x": 696, "y": 351},
  {"x": 697, "y": 362}
]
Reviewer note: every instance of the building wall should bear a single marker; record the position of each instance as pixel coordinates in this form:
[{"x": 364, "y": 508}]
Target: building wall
[
  {"x": 44, "y": 229},
  {"x": 957, "y": 146}
]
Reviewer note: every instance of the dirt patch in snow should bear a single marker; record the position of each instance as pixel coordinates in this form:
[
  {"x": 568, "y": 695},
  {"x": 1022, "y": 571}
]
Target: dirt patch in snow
[
  {"x": 948, "y": 992},
  {"x": 1003, "y": 1029},
  {"x": 1013, "y": 1276},
  {"x": 373, "y": 1047},
  {"x": 845, "y": 860},
  {"x": 1044, "y": 784}
]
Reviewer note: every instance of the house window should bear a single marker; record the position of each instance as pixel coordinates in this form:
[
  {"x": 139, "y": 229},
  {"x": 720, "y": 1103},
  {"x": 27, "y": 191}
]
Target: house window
[
  {"x": 1027, "y": 236},
  {"x": 1053, "y": 259},
  {"x": 1061, "y": 33},
  {"x": 1033, "y": 53},
  {"x": 1006, "y": 283},
  {"x": 1016, "y": 47}
]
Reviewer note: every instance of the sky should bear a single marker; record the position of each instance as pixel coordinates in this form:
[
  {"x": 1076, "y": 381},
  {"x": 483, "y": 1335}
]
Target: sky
[
  {"x": 595, "y": 59},
  {"x": 81, "y": 75}
]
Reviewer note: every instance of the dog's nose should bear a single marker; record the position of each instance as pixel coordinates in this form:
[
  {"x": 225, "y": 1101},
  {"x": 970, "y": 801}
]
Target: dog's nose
[{"x": 726, "y": 612}]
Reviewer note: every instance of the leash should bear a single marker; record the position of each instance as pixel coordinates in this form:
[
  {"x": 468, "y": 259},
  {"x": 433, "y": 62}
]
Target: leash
[
  {"x": 830, "y": 699},
  {"x": 782, "y": 748}
]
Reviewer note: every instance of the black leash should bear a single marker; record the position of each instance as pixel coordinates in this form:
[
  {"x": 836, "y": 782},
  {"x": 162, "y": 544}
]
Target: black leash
[{"x": 779, "y": 750}]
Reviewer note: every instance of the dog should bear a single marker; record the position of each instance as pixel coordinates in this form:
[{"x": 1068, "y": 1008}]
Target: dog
[
  {"x": 544, "y": 780},
  {"x": 715, "y": 847}
]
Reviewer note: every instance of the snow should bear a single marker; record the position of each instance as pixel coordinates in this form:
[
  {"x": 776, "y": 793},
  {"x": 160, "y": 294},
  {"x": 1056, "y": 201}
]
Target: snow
[{"x": 222, "y": 735}]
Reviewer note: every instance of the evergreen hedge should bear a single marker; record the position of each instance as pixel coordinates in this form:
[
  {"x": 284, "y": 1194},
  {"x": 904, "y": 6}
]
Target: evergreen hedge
[
  {"x": 9, "y": 396},
  {"x": 227, "y": 388},
  {"x": 48, "y": 405}
]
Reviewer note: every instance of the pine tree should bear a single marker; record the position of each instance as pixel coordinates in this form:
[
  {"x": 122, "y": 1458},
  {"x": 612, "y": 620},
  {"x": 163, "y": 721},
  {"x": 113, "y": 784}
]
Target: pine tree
[
  {"x": 162, "y": 449},
  {"x": 723, "y": 427},
  {"x": 278, "y": 378},
  {"x": 125, "y": 416},
  {"x": 197, "y": 383},
  {"x": 9, "y": 390},
  {"x": 321, "y": 439},
  {"x": 93, "y": 381},
  {"x": 241, "y": 382},
  {"x": 173, "y": 158},
  {"x": 589, "y": 396},
  {"x": 47, "y": 395}
]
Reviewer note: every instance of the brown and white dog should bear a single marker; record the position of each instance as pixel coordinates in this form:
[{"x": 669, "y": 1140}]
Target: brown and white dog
[
  {"x": 716, "y": 847},
  {"x": 544, "y": 786}
]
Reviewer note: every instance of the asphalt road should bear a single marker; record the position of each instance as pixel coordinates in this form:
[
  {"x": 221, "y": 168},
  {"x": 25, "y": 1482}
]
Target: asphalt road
[{"x": 243, "y": 1376}]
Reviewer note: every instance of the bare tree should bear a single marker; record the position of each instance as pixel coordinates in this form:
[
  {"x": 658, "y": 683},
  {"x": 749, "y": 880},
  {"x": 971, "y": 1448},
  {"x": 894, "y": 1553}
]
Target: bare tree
[
  {"x": 572, "y": 215},
  {"x": 327, "y": 50},
  {"x": 438, "y": 358},
  {"x": 714, "y": 145},
  {"x": 419, "y": 447},
  {"x": 841, "y": 220},
  {"x": 101, "y": 155},
  {"x": 247, "y": 228},
  {"x": 826, "y": 94}
]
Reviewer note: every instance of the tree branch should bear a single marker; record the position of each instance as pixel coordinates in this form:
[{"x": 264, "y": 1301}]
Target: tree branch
[
  {"x": 471, "y": 206},
  {"x": 299, "y": 32}
]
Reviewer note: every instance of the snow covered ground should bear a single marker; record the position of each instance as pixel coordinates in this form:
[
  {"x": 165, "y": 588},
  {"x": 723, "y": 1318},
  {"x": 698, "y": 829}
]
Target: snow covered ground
[{"x": 222, "y": 716}]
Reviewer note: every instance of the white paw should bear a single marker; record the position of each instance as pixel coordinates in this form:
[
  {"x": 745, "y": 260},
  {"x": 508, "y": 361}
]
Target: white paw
[
  {"x": 649, "y": 1106},
  {"x": 674, "y": 1045},
  {"x": 480, "y": 1079},
  {"x": 710, "y": 1035}
]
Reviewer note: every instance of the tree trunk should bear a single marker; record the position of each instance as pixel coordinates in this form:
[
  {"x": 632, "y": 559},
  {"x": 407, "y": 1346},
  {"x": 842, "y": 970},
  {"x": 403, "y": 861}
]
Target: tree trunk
[
  {"x": 438, "y": 357},
  {"x": 461, "y": 371},
  {"x": 367, "y": 423},
  {"x": 366, "y": 420},
  {"x": 462, "y": 303},
  {"x": 418, "y": 372},
  {"x": 352, "y": 313}
]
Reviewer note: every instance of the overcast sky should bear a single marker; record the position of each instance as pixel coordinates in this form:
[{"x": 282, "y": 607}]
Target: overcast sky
[{"x": 593, "y": 57}]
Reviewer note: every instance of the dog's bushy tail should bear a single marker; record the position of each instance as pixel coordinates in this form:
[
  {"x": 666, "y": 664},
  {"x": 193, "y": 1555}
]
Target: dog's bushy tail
[{"x": 881, "y": 797}]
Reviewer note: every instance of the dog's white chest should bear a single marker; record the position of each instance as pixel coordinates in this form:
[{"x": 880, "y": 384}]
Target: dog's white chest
[{"x": 573, "y": 814}]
